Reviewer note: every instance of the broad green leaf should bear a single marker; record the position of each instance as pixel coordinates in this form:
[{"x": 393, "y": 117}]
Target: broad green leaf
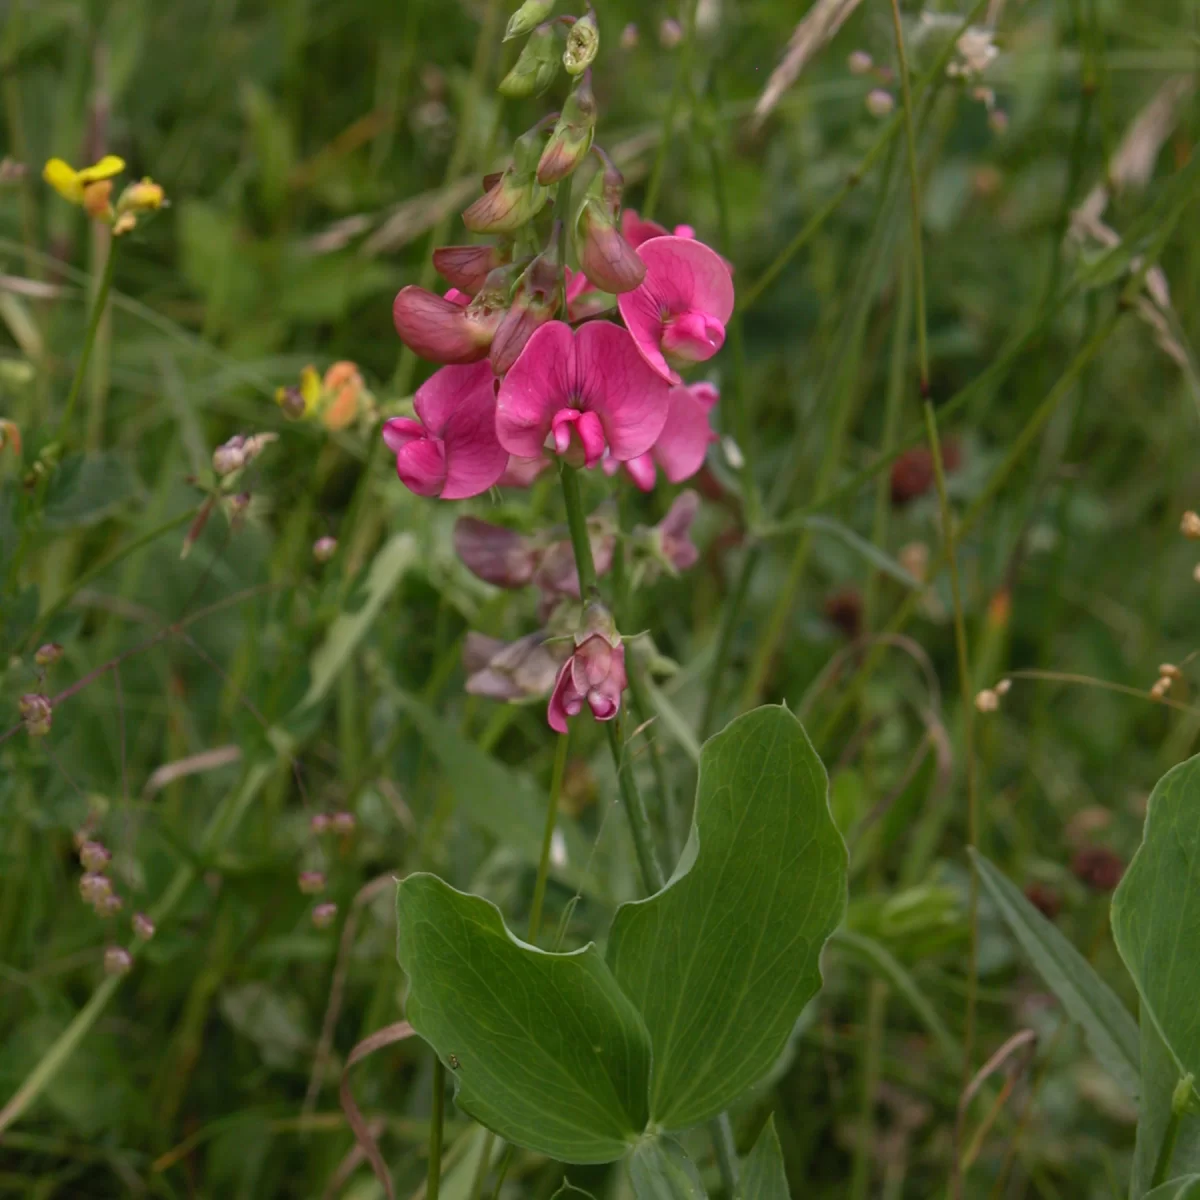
[
  {"x": 568, "y": 1191},
  {"x": 661, "y": 1170},
  {"x": 1156, "y": 915},
  {"x": 763, "y": 1176},
  {"x": 84, "y": 491},
  {"x": 545, "y": 1049},
  {"x": 722, "y": 960},
  {"x": 1186, "y": 1187},
  {"x": 1111, "y": 1032},
  {"x": 1159, "y": 1077}
]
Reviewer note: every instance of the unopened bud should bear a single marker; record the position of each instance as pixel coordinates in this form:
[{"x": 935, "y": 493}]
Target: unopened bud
[
  {"x": 1161, "y": 688},
  {"x": 607, "y": 259},
  {"x": 629, "y": 36},
  {"x": 94, "y": 857},
  {"x": 879, "y": 102},
  {"x": 146, "y": 196},
  {"x": 859, "y": 62},
  {"x": 324, "y": 548},
  {"x": 117, "y": 961},
  {"x": 291, "y": 401},
  {"x": 123, "y": 224},
  {"x": 516, "y": 198},
  {"x": 230, "y": 456},
  {"x": 343, "y": 823},
  {"x": 1189, "y": 525},
  {"x": 572, "y": 136},
  {"x": 987, "y": 701},
  {"x": 1170, "y": 670},
  {"x": 536, "y": 68},
  {"x": 529, "y": 15},
  {"x": 110, "y": 905},
  {"x": 93, "y": 888},
  {"x": 1003, "y": 687},
  {"x": 37, "y": 714},
  {"x": 534, "y": 302},
  {"x": 323, "y": 915},
  {"x": 48, "y": 655},
  {"x": 466, "y": 267},
  {"x": 319, "y": 823},
  {"x": 143, "y": 927},
  {"x": 670, "y": 33},
  {"x": 311, "y": 883},
  {"x": 583, "y": 44}
]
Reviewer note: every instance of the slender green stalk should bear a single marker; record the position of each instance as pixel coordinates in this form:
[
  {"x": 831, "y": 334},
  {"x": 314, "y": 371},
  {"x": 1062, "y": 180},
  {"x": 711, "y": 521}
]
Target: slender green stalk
[
  {"x": 643, "y": 708},
  {"x": 577, "y": 524},
  {"x": 720, "y": 1131},
  {"x": 1166, "y": 1151},
  {"x": 729, "y": 622},
  {"x": 653, "y": 877},
  {"x": 678, "y": 86},
  {"x": 539, "y": 889},
  {"x": 864, "y": 1142},
  {"x": 485, "y": 1162},
  {"x": 99, "y": 306},
  {"x": 434, "y": 1178},
  {"x": 948, "y": 535}
]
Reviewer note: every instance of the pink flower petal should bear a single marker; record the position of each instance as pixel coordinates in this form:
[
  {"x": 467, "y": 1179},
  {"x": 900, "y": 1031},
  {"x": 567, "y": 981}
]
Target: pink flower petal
[
  {"x": 445, "y": 391},
  {"x": 439, "y": 328},
  {"x": 642, "y": 470},
  {"x": 686, "y": 275},
  {"x": 684, "y": 440},
  {"x": 563, "y": 694},
  {"x": 521, "y": 472},
  {"x": 537, "y": 385},
  {"x": 692, "y": 338},
  {"x": 421, "y": 465},
  {"x": 399, "y": 431},
  {"x": 620, "y": 387},
  {"x": 636, "y": 231}
]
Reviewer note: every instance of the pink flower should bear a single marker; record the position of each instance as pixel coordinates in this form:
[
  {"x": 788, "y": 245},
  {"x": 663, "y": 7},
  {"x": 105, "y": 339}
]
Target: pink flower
[
  {"x": 466, "y": 267},
  {"x": 637, "y": 231},
  {"x": 678, "y": 314},
  {"x": 445, "y": 329},
  {"x": 594, "y": 674},
  {"x": 584, "y": 391},
  {"x": 452, "y": 450},
  {"x": 584, "y": 299},
  {"x": 684, "y": 440},
  {"x": 675, "y": 544}
]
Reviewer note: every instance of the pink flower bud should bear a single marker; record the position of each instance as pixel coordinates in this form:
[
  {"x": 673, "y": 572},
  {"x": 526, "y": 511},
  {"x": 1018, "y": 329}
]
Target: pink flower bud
[
  {"x": 607, "y": 259},
  {"x": 143, "y": 927},
  {"x": 442, "y": 330},
  {"x": 466, "y": 267},
  {"x": 572, "y": 136},
  {"x": 94, "y": 857},
  {"x": 514, "y": 201},
  {"x": 670, "y": 33},
  {"x": 319, "y": 823},
  {"x": 37, "y": 714},
  {"x": 117, "y": 961},
  {"x": 880, "y": 102},
  {"x": 48, "y": 655},
  {"x": 324, "y": 549},
  {"x": 323, "y": 915},
  {"x": 534, "y": 303},
  {"x": 109, "y": 906},
  {"x": 93, "y": 888},
  {"x": 519, "y": 670},
  {"x": 498, "y": 556},
  {"x": 311, "y": 883},
  {"x": 595, "y": 675},
  {"x": 629, "y": 36},
  {"x": 342, "y": 823}
]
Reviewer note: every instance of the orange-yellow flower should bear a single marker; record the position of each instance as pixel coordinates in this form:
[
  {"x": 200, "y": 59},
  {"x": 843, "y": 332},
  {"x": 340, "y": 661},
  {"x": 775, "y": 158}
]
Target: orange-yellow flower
[{"x": 71, "y": 184}]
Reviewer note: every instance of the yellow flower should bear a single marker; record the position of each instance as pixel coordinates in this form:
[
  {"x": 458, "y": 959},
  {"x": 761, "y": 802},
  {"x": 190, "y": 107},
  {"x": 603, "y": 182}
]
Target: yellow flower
[
  {"x": 146, "y": 196},
  {"x": 70, "y": 184},
  {"x": 302, "y": 401}
]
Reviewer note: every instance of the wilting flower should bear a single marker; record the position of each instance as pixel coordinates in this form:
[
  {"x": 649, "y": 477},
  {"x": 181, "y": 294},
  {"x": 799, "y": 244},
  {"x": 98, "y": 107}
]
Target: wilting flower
[
  {"x": 534, "y": 302},
  {"x": 73, "y": 185},
  {"x": 466, "y": 267},
  {"x": 520, "y": 670},
  {"x": 451, "y": 451},
  {"x": 673, "y": 533},
  {"x": 683, "y": 442},
  {"x": 584, "y": 390},
  {"x": 679, "y": 312},
  {"x": 498, "y": 556},
  {"x": 443, "y": 329},
  {"x": 556, "y": 575},
  {"x": 594, "y": 674},
  {"x": 240, "y": 451}
]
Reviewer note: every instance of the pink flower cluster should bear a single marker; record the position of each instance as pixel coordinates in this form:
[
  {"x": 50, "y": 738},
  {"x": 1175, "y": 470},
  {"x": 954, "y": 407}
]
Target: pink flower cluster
[{"x": 521, "y": 386}]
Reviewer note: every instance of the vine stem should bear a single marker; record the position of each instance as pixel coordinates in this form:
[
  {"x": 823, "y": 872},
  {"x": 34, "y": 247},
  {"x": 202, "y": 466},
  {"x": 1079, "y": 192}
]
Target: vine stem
[
  {"x": 543, "y": 871},
  {"x": 947, "y": 522},
  {"x": 99, "y": 306},
  {"x": 434, "y": 1178}
]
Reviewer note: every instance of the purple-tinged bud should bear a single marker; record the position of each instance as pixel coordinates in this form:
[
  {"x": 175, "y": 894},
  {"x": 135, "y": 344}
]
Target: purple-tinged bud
[
  {"x": 572, "y": 136},
  {"x": 291, "y": 400},
  {"x": 109, "y": 906},
  {"x": 629, "y": 37},
  {"x": 499, "y": 556},
  {"x": 319, "y": 823},
  {"x": 343, "y": 823},
  {"x": 859, "y": 62},
  {"x": 230, "y": 456},
  {"x": 537, "y": 67},
  {"x": 675, "y": 546},
  {"x": 48, "y": 655},
  {"x": 323, "y": 915},
  {"x": 556, "y": 575},
  {"x": 311, "y": 883},
  {"x": 143, "y": 927},
  {"x": 607, "y": 259},
  {"x": 520, "y": 670},
  {"x": 117, "y": 961},
  {"x": 880, "y": 102},
  {"x": 583, "y": 44},
  {"x": 324, "y": 548},
  {"x": 466, "y": 267},
  {"x": 516, "y": 198},
  {"x": 535, "y": 301},
  {"x": 442, "y": 330},
  {"x": 93, "y": 888},
  {"x": 532, "y": 13},
  {"x": 94, "y": 857},
  {"x": 670, "y": 33},
  {"x": 37, "y": 714}
]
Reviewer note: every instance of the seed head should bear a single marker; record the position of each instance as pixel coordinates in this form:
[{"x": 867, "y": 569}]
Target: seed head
[
  {"x": 109, "y": 906},
  {"x": 117, "y": 961},
  {"x": 629, "y": 36},
  {"x": 94, "y": 857},
  {"x": 93, "y": 888},
  {"x": 1189, "y": 525},
  {"x": 311, "y": 883},
  {"x": 342, "y": 822},
  {"x": 880, "y": 102},
  {"x": 37, "y": 714},
  {"x": 670, "y": 33},
  {"x": 319, "y": 823},
  {"x": 323, "y": 914},
  {"x": 987, "y": 701},
  {"x": 859, "y": 62},
  {"x": 48, "y": 655},
  {"x": 143, "y": 927},
  {"x": 324, "y": 549}
]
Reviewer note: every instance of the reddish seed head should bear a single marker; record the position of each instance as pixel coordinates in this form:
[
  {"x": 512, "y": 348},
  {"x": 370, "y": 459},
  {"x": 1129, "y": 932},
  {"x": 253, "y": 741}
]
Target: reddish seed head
[
  {"x": 1047, "y": 900},
  {"x": 845, "y": 610},
  {"x": 323, "y": 915},
  {"x": 1098, "y": 867},
  {"x": 93, "y": 856}
]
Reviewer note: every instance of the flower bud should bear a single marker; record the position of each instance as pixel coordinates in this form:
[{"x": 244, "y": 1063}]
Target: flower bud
[
  {"x": 323, "y": 915},
  {"x": 629, "y": 36},
  {"x": 443, "y": 330},
  {"x": 880, "y": 102},
  {"x": 117, "y": 961},
  {"x": 529, "y": 15},
  {"x": 146, "y": 196},
  {"x": 583, "y": 44},
  {"x": 516, "y": 198},
  {"x": 94, "y": 857},
  {"x": 343, "y": 823},
  {"x": 341, "y": 393},
  {"x": 48, "y": 655},
  {"x": 572, "y": 136},
  {"x": 291, "y": 401},
  {"x": 859, "y": 62},
  {"x": 93, "y": 888},
  {"x": 670, "y": 33},
  {"x": 534, "y": 302},
  {"x": 466, "y": 267},
  {"x": 607, "y": 259},
  {"x": 110, "y": 905},
  {"x": 311, "y": 883},
  {"x": 10, "y": 437},
  {"x": 37, "y": 714},
  {"x": 324, "y": 549},
  {"x": 319, "y": 823},
  {"x": 537, "y": 67},
  {"x": 143, "y": 927}
]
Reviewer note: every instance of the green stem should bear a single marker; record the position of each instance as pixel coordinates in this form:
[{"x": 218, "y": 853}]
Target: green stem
[
  {"x": 720, "y": 1131},
  {"x": 729, "y": 622},
  {"x": 643, "y": 708},
  {"x": 99, "y": 306},
  {"x": 1180, "y": 1100},
  {"x": 864, "y": 1143},
  {"x": 485, "y": 1161},
  {"x": 434, "y": 1178},
  {"x": 577, "y": 524},
  {"x": 668, "y": 127},
  {"x": 539, "y": 889},
  {"x": 653, "y": 877}
]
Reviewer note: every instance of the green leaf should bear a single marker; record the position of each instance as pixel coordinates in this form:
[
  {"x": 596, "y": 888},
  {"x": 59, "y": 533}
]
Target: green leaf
[
  {"x": 1111, "y": 1032},
  {"x": 1159, "y": 1077},
  {"x": 1156, "y": 914},
  {"x": 661, "y": 1170},
  {"x": 722, "y": 960},
  {"x": 84, "y": 491},
  {"x": 545, "y": 1049},
  {"x": 763, "y": 1176},
  {"x": 568, "y": 1191},
  {"x": 1186, "y": 1187}
]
